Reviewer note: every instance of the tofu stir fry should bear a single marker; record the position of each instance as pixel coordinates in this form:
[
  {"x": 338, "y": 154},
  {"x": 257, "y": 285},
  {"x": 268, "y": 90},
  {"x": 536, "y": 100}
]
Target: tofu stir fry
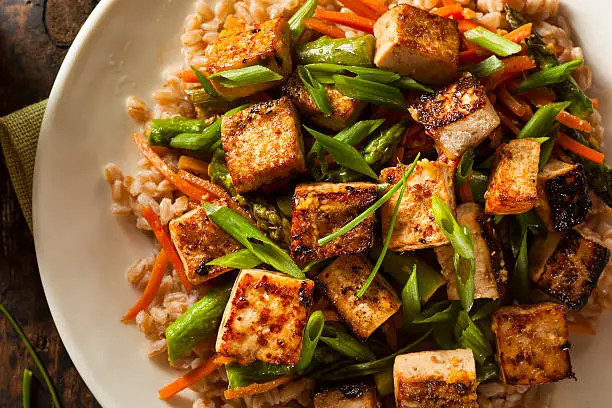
[{"x": 401, "y": 215}]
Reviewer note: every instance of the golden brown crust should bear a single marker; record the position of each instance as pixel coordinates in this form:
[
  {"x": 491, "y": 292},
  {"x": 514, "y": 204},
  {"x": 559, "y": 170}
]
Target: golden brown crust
[
  {"x": 358, "y": 395},
  {"x": 437, "y": 394}
]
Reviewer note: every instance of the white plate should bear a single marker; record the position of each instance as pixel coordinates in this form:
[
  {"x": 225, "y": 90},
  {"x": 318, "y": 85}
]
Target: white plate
[{"x": 83, "y": 250}]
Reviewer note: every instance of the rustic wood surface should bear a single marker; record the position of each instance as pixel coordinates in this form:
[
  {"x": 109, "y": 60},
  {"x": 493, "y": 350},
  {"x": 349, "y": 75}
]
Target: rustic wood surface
[{"x": 34, "y": 38}]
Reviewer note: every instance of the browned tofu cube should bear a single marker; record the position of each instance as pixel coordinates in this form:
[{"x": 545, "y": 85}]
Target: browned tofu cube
[
  {"x": 345, "y": 110},
  {"x": 513, "y": 181},
  {"x": 263, "y": 144},
  {"x": 198, "y": 241},
  {"x": 357, "y": 395},
  {"x": 265, "y": 318},
  {"x": 491, "y": 277},
  {"x": 342, "y": 280},
  {"x": 320, "y": 209},
  {"x": 532, "y": 343},
  {"x": 567, "y": 266},
  {"x": 458, "y": 116},
  {"x": 435, "y": 379},
  {"x": 240, "y": 45},
  {"x": 413, "y": 42},
  {"x": 563, "y": 197},
  {"x": 415, "y": 227}
]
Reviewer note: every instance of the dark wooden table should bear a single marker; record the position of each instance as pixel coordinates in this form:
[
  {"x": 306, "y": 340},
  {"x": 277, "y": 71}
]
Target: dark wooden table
[{"x": 34, "y": 38}]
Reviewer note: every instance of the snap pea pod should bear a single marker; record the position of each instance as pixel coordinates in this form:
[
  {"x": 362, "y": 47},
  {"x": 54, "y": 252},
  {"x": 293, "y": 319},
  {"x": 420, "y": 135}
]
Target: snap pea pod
[
  {"x": 162, "y": 131},
  {"x": 197, "y": 323},
  {"x": 344, "y": 51},
  {"x": 256, "y": 372}
]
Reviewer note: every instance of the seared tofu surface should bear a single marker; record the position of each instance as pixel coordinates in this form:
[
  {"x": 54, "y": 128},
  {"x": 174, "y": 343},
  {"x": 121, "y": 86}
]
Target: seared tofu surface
[
  {"x": 532, "y": 343},
  {"x": 567, "y": 266},
  {"x": 265, "y": 318},
  {"x": 320, "y": 209},
  {"x": 357, "y": 395},
  {"x": 263, "y": 144},
  {"x": 413, "y": 42},
  {"x": 513, "y": 181},
  {"x": 435, "y": 379},
  {"x": 491, "y": 277},
  {"x": 198, "y": 241},
  {"x": 341, "y": 281},
  {"x": 458, "y": 116},
  {"x": 240, "y": 45},
  {"x": 563, "y": 198},
  {"x": 416, "y": 227},
  {"x": 345, "y": 110}
]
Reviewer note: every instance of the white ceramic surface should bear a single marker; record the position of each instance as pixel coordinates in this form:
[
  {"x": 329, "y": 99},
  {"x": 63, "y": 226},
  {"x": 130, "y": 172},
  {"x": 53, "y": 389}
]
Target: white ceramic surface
[{"x": 83, "y": 250}]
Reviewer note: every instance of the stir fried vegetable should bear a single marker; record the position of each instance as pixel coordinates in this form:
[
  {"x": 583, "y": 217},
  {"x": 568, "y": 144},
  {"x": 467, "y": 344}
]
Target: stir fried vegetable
[{"x": 344, "y": 51}]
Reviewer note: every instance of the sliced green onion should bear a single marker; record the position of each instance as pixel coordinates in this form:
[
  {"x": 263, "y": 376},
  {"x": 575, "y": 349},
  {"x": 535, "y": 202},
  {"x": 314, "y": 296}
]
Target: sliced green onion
[
  {"x": 244, "y": 232},
  {"x": 443, "y": 335},
  {"x": 546, "y": 150},
  {"x": 411, "y": 301},
  {"x": 316, "y": 90},
  {"x": 312, "y": 334},
  {"x": 469, "y": 336},
  {"x": 236, "y": 78},
  {"x": 436, "y": 313},
  {"x": 486, "y": 310},
  {"x": 346, "y": 344},
  {"x": 370, "y": 91},
  {"x": 385, "y": 247},
  {"x": 486, "y": 372},
  {"x": 465, "y": 269},
  {"x": 451, "y": 229},
  {"x": 495, "y": 43},
  {"x": 497, "y": 219},
  {"x": 520, "y": 276},
  {"x": 353, "y": 134},
  {"x": 37, "y": 362},
  {"x": 25, "y": 388},
  {"x": 486, "y": 68},
  {"x": 410, "y": 84},
  {"x": 242, "y": 259},
  {"x": 257, "y": 372},
  {"x": 465, "y": 167},
  {"x": 205, "y": 82},
  {"x": 478, "y": 185},
  {"x": 323, "y": 77},
  {"x": 542, "y": 121},
  {"x": 343, "y": 153},
  {"x": 366, "y": 73},
  {"x": 384, "y": 382},
  {"x": 549, "y": 76},
  {"x": 307, "y": 10},
  {"x": 531, "y": 221},
  {"x": 312, "y": 264}
]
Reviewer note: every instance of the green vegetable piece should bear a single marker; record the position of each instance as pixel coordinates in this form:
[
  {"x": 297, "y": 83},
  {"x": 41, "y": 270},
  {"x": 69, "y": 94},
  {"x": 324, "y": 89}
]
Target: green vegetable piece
[
  {"x": 486, "y": 372},
  {"x": 478, "y": 184},
  {"x": 486, "y": 68},
  {"x": 464, "y": 169},
  {"x": 256, "y": 372},
  {"x": 370, "y": 91},
  {"x": 25, "y": 388},
  {"x": 470, "y": 336},
  {"x": 486, "y": 310},
  {"x": 411, "y": 301},
  {"x": 346, "y": 344},
  {"x": 236, "y": 78},
  {"x": 520, "y": 276},
  {"x": 410, "y": 84},
  {"x": 296, "y": 25},
  {"x": 357, "y": 51},
  {"x": 465, "y": 268},
  {"x": 312, "y": 334},
  {"x": 549, "y": 76},
  {"x": 541, "y": 123},
  {"x": 443, "y": 335},
  {"x": 384, "y": 382},
  {"x": 205, "y": 82},
  {"x": 242, "y": 259},
  {"x": 367, "y": 73},
  {"x": 380, "y": 149},
  {"x": 495, "y": 43},
  {"x": 197, "y": 323},
  {"x": 316, "y": 90},
  {"x": 161, "y": 131},
  {"x": 437, "y": 313},
  {"x": 451, "y": 229}
]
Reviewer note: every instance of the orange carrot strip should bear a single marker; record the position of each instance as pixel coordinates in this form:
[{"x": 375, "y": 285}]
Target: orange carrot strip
[
  {"x": 572, "y": 145},
  {"x": 466, "y": 25},
  {"x": 580, "y": 328},
  {"x": 377, "y": 5},
  {"x": 470, "y": 14},
  {"x": 203, "y": 185},
  {"x": 595, "y": 103},
  {"x": 155, "y": 280},
  {"x": 454, "y": 10},
  {"x": 520, "y": 34},
  {"x": 465, "y": 192},
  {"x": 574, "y": 122},
  {"x": 256, "y": 388},
  {"x": 347, "y": 19},
  {"x": 448, "y": 2},
  {"x": 189, "y": 76},
  {"x": 472, "y": 56},
  {"x": 324, "y": 28},
  {"x": 360, "y": 8},
  {"x": 193, "y": 376},
  {"x": 166, "y": 244},
  {"x": 517, "y": 64}
]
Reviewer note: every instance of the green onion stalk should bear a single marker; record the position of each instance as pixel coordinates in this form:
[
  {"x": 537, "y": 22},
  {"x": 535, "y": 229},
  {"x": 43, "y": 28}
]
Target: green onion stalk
[{"x": 357, "y": 51}]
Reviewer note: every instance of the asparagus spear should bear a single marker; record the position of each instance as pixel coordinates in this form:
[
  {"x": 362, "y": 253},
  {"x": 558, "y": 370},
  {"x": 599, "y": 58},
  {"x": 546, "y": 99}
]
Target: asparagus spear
[
  {"x": 162, "y": 131},
  {"x": 345, "y": 51},
  {"x": 568, "y": 90}
]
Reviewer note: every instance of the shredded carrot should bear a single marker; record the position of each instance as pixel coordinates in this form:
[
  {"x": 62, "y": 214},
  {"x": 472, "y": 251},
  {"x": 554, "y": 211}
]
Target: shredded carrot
[
  {"x": 166, "y": 244},
  {"x": 377, "y": 5},
  {"x": 470, "y": 14},
  {"x": 465, "y": 192},
  {"x": 574, "y": 122},
  {"x": 193, "y": 376},
  {"x": 572, "y": 145},
  {"x": 518, "y": 64},
  {"x": 520, "y": 34},
  {"x": 595, "y": 103},
  {"x": 155, "y": 280},
  {"x": 189, "y": 76},
  {"x": 509, "y": 123},
  {"x": 360, "y": 8},
  {"x": 448, "y": 2},
  {"x": 467, "y": 25},
  {"x": 580, "y": 328},
  {"x": 472, "y": 56},
  {"x": 193, "y": 165},
  {"x": 454, "y": 10},
  {"x": 256, "y": 388},
  {"x": 519, "y": 108},
  {"x": 203, "y": 185},
  {"x": 347, "y": 19},
  {"x": 324, "y": 28}
]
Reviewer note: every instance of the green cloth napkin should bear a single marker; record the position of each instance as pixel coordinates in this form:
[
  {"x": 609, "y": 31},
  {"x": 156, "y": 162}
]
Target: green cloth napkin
[{"x": 19, "y": 137}]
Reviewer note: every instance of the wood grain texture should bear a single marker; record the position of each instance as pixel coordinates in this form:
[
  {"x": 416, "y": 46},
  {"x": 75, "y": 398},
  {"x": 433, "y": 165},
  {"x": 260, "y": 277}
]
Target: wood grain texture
[{"x": 34, "y": 37}]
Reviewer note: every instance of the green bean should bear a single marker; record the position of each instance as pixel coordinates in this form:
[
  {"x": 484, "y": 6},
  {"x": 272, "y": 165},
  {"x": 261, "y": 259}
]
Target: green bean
[{"x": 345, "y": 51}]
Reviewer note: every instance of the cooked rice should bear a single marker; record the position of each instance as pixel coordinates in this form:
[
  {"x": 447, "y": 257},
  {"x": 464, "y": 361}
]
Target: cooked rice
[{"x": 130, "y": 194}]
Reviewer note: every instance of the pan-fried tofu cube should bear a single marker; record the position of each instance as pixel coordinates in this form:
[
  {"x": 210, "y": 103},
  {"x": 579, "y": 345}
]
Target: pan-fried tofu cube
[
  {"x": 563, "y": 198},
  {"x": 198, "y": 241},
  {"x": 435, "y": 379},
  {"x": 240, "y": 46},
  {"x": 567, "y": 266},
  {"x": 491, "y": 277},
  {"x": 532, "y": 343},
  {"x": 513, "y": 182},
  {"x": 265, "y": 317},
  {"x": 413, "y": 42},
  {"x": 320, "y": 209},
  {"x": 341, "y": 281},
  {"x": 458, "y": 116},
  {"x": 263, "y": 144},
  {"x": 357, "y": 395},
  {"x": 415, "y": 227},
  {"x": 345, "y": 110}
]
